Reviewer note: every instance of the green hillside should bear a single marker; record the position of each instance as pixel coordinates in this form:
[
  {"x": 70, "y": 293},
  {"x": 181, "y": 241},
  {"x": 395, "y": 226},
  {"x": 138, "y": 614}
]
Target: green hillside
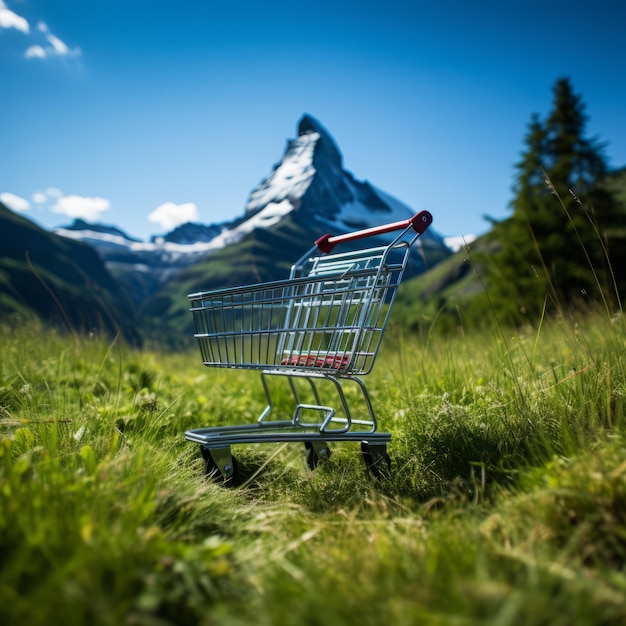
[
  {"x": 58, "y": 280},
  {"x": 443, "y": 292}
]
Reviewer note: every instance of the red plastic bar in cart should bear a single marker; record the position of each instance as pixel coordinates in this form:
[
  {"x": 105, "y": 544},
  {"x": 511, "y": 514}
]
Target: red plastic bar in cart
[
  {"x": 313, "y": 360},
  {"x": 419, "y": 222}
]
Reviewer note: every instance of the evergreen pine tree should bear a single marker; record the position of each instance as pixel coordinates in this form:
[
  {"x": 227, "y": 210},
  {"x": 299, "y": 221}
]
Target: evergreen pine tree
[{"x": 553, "y": 247}]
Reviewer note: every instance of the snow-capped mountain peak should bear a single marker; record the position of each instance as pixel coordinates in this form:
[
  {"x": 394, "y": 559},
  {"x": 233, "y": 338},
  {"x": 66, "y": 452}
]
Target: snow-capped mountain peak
[
  {"x": 290, "y": 179},
  {"x": 308, "y": 191}
]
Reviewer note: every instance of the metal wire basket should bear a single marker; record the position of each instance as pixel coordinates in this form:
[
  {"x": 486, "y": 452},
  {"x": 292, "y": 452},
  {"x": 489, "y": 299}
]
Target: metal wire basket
[{"x": 325, "y": 322}]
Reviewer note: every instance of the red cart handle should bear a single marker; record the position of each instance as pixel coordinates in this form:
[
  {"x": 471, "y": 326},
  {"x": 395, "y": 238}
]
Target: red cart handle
[{"x": 419, "y": 222}]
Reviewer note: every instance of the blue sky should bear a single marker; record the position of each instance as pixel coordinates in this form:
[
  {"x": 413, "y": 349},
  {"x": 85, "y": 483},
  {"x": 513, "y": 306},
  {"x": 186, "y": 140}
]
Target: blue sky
[{"x": 112, "y": 110}]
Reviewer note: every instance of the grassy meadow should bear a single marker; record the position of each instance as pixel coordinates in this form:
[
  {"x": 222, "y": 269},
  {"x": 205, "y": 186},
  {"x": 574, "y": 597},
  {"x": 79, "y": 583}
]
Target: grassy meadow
[{"x": 506, "y": 502}]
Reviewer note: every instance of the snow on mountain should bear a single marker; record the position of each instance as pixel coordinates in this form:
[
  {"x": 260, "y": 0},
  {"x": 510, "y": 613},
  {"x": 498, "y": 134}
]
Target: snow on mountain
[
  {"x": 266, "y": 217},
  {"x": 92, "y": 234},
  {"x": 102, "y": 240},
  {"x": 104, "y": 229},
  {"x": 289, "y": 180},
  {"x": 157, "y": 260},
  {"x": 456, "y": 243}
]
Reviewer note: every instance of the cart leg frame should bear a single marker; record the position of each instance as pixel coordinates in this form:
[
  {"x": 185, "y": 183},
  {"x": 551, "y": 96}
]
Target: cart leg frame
[{"x": 216, "y": 442}]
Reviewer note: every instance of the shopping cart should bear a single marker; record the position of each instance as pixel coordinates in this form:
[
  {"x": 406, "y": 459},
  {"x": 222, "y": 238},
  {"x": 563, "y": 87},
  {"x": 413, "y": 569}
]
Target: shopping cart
[{"x": 320, "y": 328}]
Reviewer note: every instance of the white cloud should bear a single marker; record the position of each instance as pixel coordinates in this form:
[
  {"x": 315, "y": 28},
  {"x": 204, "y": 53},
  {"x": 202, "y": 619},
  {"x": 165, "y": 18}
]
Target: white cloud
[
  {"x": 78, "y": 206},
  {"x": 51, "y": 194},
  {"x": 9, "y": 19},
  {"x": 35, "y": 52},
  {"x": 14, "y": 202},
  {"x": 54, "y": 47},
  {"x": 58, "y": 46},
  {"x": 170, "y": 215}
]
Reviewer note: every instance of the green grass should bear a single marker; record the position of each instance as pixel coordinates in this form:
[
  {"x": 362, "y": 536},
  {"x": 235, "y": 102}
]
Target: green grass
[{"x": 506, "y": 504}]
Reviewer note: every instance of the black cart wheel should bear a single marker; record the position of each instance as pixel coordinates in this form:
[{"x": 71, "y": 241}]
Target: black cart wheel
[
  {"x": 315, "y": 453},
  {"x": 228, "y": 475},
  {"x": 312, "y": 460},
  {"x": 376, "y": 460}
]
